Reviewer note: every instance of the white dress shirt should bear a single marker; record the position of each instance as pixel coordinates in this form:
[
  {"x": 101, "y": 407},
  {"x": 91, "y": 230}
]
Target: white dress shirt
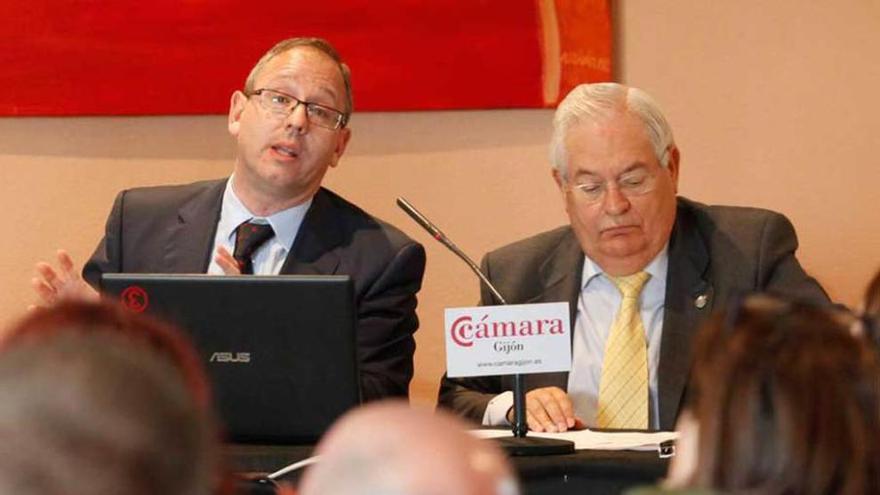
[
  {"x": 598, "y": 304},
  {"x": 270, "y": 257}
]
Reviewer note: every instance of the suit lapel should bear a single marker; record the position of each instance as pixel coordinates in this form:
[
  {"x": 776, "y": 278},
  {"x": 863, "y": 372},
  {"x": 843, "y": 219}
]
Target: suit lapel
[
  {"x": 686, "y": 290},
  {"x": 560, "y": 281},
  {"x": 191, "y": 239},
  {"x": 314, "y": 250}
]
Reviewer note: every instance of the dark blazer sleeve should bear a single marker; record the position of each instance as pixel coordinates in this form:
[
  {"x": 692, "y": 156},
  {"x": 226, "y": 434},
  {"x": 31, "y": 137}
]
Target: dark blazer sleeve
[
  {"x": 161, "y": 229},
  {"x": 721, "y": 252},
  {"x": 386, "y": 323},
  {"x": 779, "y": 271},
  {"x": 469, "y": 396},
  {"x": 107, "y": 257}
]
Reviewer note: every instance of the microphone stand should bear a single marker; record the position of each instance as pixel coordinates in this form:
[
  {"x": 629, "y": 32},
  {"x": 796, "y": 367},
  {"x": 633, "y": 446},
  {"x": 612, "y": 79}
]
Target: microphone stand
[{"x": 519, "y": 444}]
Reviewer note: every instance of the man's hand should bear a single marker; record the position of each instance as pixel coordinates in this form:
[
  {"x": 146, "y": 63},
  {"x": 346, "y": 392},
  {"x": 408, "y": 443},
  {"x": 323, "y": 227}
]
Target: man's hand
[
  {"x": 226, "y": 262},
  {"x": 63, "y": 284},
  {"x": 549, "y": 409}
]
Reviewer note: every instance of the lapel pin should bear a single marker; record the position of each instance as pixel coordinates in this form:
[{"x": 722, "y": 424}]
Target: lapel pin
[{"x": 701, "y": 300}]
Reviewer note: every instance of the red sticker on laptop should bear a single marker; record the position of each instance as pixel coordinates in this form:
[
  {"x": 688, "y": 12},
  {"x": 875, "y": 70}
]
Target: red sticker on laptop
[{"x": 135, "y": 298}]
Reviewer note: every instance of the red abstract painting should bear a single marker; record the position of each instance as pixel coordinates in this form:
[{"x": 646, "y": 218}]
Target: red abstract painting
[{"x": 126, "y": 57}]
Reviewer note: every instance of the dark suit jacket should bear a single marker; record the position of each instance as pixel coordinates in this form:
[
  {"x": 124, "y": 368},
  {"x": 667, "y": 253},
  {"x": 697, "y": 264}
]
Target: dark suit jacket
[
  {"x": 716, "y": 251},
  {"x": 170, "y": 229}
]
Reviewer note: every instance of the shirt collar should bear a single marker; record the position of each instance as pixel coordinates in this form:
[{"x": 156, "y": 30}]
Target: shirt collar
[
  {"x": 285, "y": 223},
  {"x": 657, "y": 268}
]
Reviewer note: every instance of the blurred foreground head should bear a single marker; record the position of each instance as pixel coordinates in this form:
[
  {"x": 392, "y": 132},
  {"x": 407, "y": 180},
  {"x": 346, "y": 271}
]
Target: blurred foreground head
[
  {"x": 872, "y": 296},
  {"x": 392, "y": 449},
  {"x": 871, "y": 307},
  {"x": 145, "y": 332},
  {"x": 100, "y": 401},
  {"x": 93, "y": 413},
  {"x": 786, "y": 400}
]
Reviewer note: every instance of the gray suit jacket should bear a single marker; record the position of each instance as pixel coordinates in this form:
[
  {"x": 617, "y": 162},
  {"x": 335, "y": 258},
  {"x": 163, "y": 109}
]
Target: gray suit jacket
[
  {"x": 715, "y": 251},
  {"x": 170, "y": 229}
]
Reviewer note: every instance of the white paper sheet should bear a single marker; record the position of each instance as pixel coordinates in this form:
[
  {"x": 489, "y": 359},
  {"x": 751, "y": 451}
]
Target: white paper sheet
[{"x": 597, "y": 440}]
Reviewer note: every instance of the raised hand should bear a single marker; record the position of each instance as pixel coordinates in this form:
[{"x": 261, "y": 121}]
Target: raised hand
[{"x": 63, "y": 283}]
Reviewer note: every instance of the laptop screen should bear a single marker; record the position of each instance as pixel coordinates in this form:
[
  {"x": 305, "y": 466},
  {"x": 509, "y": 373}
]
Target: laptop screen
[{"x": 280, "y": 351}]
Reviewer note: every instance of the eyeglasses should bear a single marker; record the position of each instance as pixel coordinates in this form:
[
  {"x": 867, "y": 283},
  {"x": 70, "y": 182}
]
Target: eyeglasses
[
  {"x": 630, "y": 184},
  {"x": 283, "y": 104}
]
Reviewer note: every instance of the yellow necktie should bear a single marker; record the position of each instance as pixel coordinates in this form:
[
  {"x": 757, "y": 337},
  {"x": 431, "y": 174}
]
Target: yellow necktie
[{"x": 623, "y": 389}]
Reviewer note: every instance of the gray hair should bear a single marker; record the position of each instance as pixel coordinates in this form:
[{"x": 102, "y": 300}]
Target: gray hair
[
  {"x": 319, "y": 44},
  {"x": 596, "y": 102},
  {"x": 389, "y": 448},
  {"x": 94, "y": 413}
]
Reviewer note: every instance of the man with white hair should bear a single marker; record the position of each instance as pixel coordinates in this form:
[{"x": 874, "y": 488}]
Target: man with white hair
[
  {"x": 391, "y": 449},
  {"x": 640, "y": 267}
]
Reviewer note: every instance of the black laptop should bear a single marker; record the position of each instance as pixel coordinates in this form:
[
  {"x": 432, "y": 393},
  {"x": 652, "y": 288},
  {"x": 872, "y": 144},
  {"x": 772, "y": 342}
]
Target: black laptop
[{"x": 280, "y": 350}]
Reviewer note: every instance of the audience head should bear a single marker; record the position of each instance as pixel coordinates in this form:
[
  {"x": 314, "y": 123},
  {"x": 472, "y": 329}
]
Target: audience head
[
  {"x": 392, "y": 449},
  {"x": 785, "y": 399},
  {"x": 94, "y": 412},
  {"x": 616, "y": 165},
  {"x": 868, "y": 323},
  {"x": 44, "y": 324},
  {"x": 872, "y": 298}
]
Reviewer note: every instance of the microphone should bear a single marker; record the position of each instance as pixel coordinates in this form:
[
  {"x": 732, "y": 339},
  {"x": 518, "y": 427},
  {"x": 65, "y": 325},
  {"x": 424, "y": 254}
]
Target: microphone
[
  {"x": 436, "y": 233},
  {"x": 519, "y": 444}
]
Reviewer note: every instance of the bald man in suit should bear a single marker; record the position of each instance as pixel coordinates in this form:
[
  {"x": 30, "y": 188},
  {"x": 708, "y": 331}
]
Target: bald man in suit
[{"x": 290, "y": 127}]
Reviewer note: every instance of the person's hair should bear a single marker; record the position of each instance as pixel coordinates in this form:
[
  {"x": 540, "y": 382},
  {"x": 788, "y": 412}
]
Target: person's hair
[
  {"x": 872, "y": 298},
  {"x": 787, "y": 400},
  {"x": 389, "y": 448},
  {"x": 588, "y": 103},
  {"x": 319, "y": 44},
  {"x": 94, "y": 412},
  {"x": 869, "y": 322},
  {"x": 84, "y": 318}
]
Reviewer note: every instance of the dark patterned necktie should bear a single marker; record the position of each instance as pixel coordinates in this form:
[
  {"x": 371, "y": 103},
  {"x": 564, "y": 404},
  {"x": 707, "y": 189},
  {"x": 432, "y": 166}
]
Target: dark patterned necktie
[{"x": 248, "y": 238}]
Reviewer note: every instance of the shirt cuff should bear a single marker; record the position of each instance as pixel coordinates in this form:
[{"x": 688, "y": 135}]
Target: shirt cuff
[{"x": 496, "y": 411}]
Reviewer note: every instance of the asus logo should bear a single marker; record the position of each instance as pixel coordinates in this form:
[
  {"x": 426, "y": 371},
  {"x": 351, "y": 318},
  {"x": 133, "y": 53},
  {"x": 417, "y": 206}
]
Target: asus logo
[{"x": 228, "y": 357}]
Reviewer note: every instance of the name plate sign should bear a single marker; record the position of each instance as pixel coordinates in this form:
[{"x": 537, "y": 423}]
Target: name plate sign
[{"x": 506, "y": 340}]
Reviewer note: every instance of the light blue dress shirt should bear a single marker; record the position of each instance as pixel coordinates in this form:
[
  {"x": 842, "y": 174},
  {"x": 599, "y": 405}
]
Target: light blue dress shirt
[{"x": 270, "y": 257}]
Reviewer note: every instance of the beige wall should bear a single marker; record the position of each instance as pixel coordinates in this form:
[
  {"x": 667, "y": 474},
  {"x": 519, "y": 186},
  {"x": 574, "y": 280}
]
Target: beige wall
[{"x": 773, "y": 103}]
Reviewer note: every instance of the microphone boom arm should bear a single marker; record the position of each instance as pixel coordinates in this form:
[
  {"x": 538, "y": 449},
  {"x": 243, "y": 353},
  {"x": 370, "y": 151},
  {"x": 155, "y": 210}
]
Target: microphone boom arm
[{"x": 441, "y": 237}]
